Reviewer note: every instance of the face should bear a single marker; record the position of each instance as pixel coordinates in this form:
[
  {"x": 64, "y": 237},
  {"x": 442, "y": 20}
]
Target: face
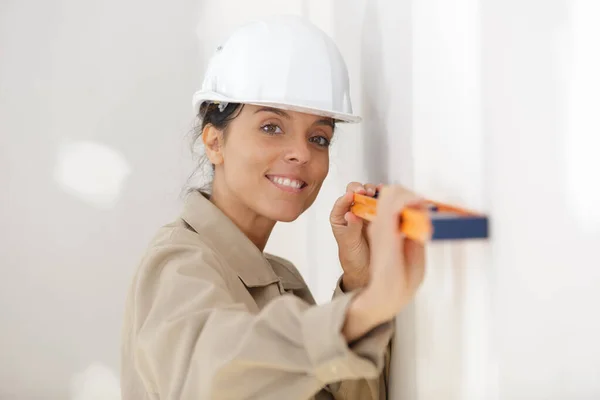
[{"x": 273, "y": 161}]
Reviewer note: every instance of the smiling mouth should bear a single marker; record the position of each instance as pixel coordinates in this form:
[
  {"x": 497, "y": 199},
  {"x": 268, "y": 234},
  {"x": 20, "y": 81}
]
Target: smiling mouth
[{"x": 287, "y": 183}]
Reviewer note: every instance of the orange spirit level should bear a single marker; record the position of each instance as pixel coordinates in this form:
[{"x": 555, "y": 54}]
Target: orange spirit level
[{"x": 436, "y": 221}]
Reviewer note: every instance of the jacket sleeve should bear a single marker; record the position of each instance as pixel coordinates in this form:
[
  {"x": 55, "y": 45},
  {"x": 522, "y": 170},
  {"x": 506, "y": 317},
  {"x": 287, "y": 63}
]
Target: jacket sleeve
[
  {"x": 367, "y": 388},
  {"x": 194, "y": 341}
]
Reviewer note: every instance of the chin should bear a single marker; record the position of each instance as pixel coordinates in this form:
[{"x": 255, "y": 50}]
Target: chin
[
  {"x": 287, "y": 218},
  {"x": 289, "y": 215}
]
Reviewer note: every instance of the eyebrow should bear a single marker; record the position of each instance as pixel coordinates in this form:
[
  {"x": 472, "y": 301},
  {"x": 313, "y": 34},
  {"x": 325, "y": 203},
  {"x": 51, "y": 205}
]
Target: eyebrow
[
  {"x": 275, "y": 111},
  {"x": 325, "y": 121}
]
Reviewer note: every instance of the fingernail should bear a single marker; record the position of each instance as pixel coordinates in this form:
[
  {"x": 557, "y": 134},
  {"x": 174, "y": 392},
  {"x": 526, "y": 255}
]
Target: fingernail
[{"x": 370, "y": 191}]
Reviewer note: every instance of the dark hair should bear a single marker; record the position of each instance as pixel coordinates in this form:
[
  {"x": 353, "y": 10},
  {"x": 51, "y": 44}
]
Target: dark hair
[{"x": 209, "y": 114}]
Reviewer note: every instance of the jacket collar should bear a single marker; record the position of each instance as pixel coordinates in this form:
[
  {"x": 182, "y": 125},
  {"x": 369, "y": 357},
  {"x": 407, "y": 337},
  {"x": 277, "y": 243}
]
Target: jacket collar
[{"x": 223, "y": 236}]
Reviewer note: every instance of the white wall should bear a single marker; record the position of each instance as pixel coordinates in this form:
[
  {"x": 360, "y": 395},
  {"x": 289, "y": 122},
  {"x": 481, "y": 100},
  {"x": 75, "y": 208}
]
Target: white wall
[
  {"x": 453, "y": 311},
  {"x": 541, "y": 84},
  {"x": 496, "y": 81},
  {"x": 94, "y": 109}
]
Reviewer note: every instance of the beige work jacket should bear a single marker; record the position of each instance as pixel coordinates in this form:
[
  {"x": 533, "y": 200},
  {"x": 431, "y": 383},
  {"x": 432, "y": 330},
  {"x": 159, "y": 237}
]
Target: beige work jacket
[{"x": 209, "y": 316}]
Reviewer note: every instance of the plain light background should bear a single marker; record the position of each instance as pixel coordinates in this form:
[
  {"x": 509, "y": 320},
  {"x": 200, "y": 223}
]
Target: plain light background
[{"x": 489, "y": 104}]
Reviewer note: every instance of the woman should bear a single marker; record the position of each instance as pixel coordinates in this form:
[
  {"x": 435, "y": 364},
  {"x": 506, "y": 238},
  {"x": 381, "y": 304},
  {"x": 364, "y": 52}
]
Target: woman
[{"x": 209, "y": 314}]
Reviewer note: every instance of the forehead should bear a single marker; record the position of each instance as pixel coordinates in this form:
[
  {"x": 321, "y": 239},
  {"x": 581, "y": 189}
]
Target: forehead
[{"x": 260, "y": 111}]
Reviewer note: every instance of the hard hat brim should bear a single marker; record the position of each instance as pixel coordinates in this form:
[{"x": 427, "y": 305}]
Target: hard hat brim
[{"x": 202, "y": 96}]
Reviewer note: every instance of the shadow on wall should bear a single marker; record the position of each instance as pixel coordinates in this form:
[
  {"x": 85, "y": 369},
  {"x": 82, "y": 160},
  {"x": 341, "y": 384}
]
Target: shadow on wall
[{"x": 376, "y": 97}]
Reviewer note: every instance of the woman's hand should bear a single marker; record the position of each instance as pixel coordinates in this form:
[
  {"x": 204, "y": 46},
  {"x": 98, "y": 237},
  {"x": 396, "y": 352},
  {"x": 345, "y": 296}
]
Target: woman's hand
[
  {"x": 351, "y": 236},
  {"x": 397, "y": 263},
  {"x": 397, "y": 266}
]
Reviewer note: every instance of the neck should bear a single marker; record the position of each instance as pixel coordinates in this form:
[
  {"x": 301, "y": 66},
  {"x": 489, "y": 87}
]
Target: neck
[{"x": 256, "y": 227}]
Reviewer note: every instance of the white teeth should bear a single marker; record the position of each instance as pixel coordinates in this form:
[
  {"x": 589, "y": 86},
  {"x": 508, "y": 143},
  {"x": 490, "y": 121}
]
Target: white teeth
[{"x": 287, "y": 182}]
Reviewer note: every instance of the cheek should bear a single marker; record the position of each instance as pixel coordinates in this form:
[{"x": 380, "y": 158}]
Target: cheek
[
  {"x": 246, "y": 161},
  {"x": 320, "y": 166}
]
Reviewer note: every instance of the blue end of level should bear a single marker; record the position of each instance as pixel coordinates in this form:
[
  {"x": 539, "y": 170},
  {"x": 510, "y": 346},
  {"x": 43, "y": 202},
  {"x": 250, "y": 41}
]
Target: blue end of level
[{"x": 458, "y": 228}]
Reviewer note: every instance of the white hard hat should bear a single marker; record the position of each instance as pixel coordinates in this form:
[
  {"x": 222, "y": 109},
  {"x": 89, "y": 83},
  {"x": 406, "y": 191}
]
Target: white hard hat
[{"x": 283, "y": 62}]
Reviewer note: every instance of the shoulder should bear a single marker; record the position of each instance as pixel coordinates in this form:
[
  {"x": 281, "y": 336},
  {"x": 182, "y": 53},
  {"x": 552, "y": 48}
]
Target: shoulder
[
  {"x": 177, "y": 249},
  {"x": 176, "y": 266}
]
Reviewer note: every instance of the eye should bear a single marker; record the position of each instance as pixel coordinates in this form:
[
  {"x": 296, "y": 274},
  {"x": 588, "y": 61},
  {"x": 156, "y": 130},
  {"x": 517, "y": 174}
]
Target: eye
[
  {"x": 320, "y": 141},
  {"x": 271, "y": 129}
]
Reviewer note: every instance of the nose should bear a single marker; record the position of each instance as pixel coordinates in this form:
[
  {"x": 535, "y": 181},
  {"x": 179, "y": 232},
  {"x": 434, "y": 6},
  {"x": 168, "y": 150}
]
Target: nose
[{"x": 298, "y": 152}]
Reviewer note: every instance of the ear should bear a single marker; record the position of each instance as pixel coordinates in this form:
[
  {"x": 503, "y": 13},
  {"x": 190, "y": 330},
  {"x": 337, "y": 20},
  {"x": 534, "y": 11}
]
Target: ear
[{"x": 213, "y": 143}]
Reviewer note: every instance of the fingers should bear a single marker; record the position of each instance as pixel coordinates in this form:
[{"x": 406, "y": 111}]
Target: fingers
[
  {"x": 414, "y": 254},
  {"x": 368, "y": 188},
  {"x": 371, "y": 189},
  {"x": 355, "y": 187},
  {"x": 391, "y": 201},
  {"x": 341, "y": 208},
  {"x": 354, "y": 225},
  {"x": 340, "y": 214}
]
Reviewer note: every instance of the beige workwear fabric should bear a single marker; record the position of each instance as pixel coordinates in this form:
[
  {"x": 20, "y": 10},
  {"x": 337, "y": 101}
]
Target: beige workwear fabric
[{"x": 210, "y": 316}]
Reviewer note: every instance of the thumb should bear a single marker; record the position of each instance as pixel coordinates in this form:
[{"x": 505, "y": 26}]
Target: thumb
[
  {"x": 340, "y": 209},
  {"x": 354, "y": 225}
]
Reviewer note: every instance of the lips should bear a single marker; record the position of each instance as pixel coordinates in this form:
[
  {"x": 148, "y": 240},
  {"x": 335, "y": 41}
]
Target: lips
[{"x": 287, "y": 182}]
